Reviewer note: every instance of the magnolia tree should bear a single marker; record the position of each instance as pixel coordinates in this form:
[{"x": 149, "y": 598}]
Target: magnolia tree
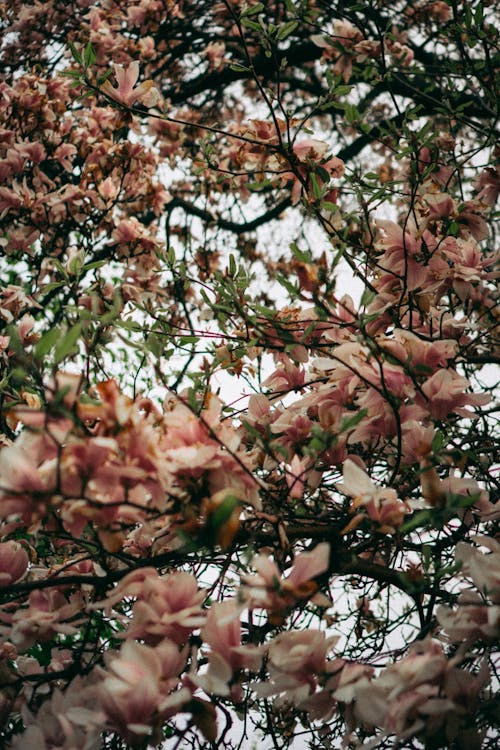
[{"x": 247, "y": 316}]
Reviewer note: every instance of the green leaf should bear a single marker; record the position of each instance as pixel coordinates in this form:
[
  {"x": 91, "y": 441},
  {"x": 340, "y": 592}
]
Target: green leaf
[
  {"x": 104, "y": 77},
  {"x": 188, "y": 340},
  {"x": 252, "y": 10},
  {"x": 367, "y": 297},
  {"x": 52, "y": 285},
  {"x": 67, "y": 342},
  {"x": 130, "y": 325},
  {"x": 95, "y": 264},
  {"x": 223, "y": 512},
  {"x": 349, "y": 422},
  {"x": 251, "y": 24},
  {"x": 257, "y": 186},
  {"x": 303, "y": 257},
  {"x": 316, "y": 187},
  {"x": 72, "y": 74},
  {"x": 437, "y": 442},
  {"x": 421, "y": 518},
  {"x": 240, "y": 68},
  {"x": 46, "y": 342},
  {"x": 342, "y": 90},
  {"x": 351, "y": 113},
  {"x": 286, "y": 29},
  {"x": 74, "y": 53},
  {"x": 289, "y": 286},
  {"x": 89, "y": 56}
]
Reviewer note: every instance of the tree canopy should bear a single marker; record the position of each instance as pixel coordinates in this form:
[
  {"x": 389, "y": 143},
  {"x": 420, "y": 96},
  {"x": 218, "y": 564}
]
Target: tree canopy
[{"x": 248, "y": 352}]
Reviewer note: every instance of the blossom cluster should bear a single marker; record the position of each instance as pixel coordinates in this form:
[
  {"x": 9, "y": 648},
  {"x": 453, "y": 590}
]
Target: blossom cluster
[{"x": 230, "y": 485}]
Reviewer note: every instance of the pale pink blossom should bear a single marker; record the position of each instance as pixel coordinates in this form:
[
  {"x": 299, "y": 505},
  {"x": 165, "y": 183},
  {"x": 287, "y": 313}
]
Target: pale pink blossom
[
  {"x": 69, "y": 720},
  {"x": 297, "y": 661},
  {"x": 64, "y": 154},
  {"x": 401, "y": 253},
  {"x": 48, "y": 612},
  {"x": 269, "y": 590},
  {"x": 215, "y": 52},
  {"x": 349, "y": 676},
  {"x": 127, "y": 92},
  {"x": 108, "y": 189},
  {"x": 27, "y": 471},
  {"x": 139, "y": 688},
  {"x": 340, "y": 46},
  {"x": 311, "y": 153},
  {"x": 488, "y": 186},
  {"x": 295, "y": 477},
  {"x": 471, "y": 620},
  {"x": 446, "y": 392},
  {"x": 392, "y": 700},
  {"x": 222, "y": 632},
  {"x": 165, "y": 606},
  {"x": 380, "y": 503},
  {"x": 483, "y": 568},
  {"x": 13, "y": 562},
  {"x": 417, "y": 441}
]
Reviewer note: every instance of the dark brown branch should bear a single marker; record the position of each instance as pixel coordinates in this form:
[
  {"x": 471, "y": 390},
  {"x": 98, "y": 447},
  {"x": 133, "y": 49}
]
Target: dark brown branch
[{"x": 230, "y": 226}]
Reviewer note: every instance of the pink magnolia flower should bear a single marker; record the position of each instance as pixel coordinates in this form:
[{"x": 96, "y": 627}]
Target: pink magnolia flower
[
  {"x": 440, "y": 174},
  {"x": 312, "y": 154},
  {"x": 108, "y": 189},
  {"x": 69, "y": 720},
  {"x": 64, "y": 154},
  {"x": 483, "y": 568},
  {"x": 139, "y": 688},
  {"x": 488, "y": 185},
  {"x": 381, "y": 504},
  {"x": 472, "y": 220},
  {"x": 259, "y": 412},
  {"x": 28, "y": 475},
  {"x": 215, "y": 52},
  {"x": 127, "y": 92},
  {"x": 263, "y": 130},
  {"x": 346, "y": 681},
  {"x": 206, "y": 446},
  {"x": 340, "y": 46},
  {"x": 166, "y": 606},
  {"x": 424, "y": 692},
  {"x": 446, "y": 393},
  {"x": 401, "y": 250},
  {"x": 267, "y": 589},
  {"x": 418, "y": 353},
  {"x": 295, "y": 477},
  {"x": 292, "y": 427},
  {"x": 401, "y": 53},
  {"x": 13, "y": 562},
  {"x": 471, "y": 620},
  {"x": 417, "y": 441},
  {"x": 48, "y": 612},
  {"x": 466, "y": 266},
  {"x": 286, "y": 377},
  {"x": 392, "y": 700},
  {"x": 222, "y": 632},
  {"x": 297, "y": 663}
]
